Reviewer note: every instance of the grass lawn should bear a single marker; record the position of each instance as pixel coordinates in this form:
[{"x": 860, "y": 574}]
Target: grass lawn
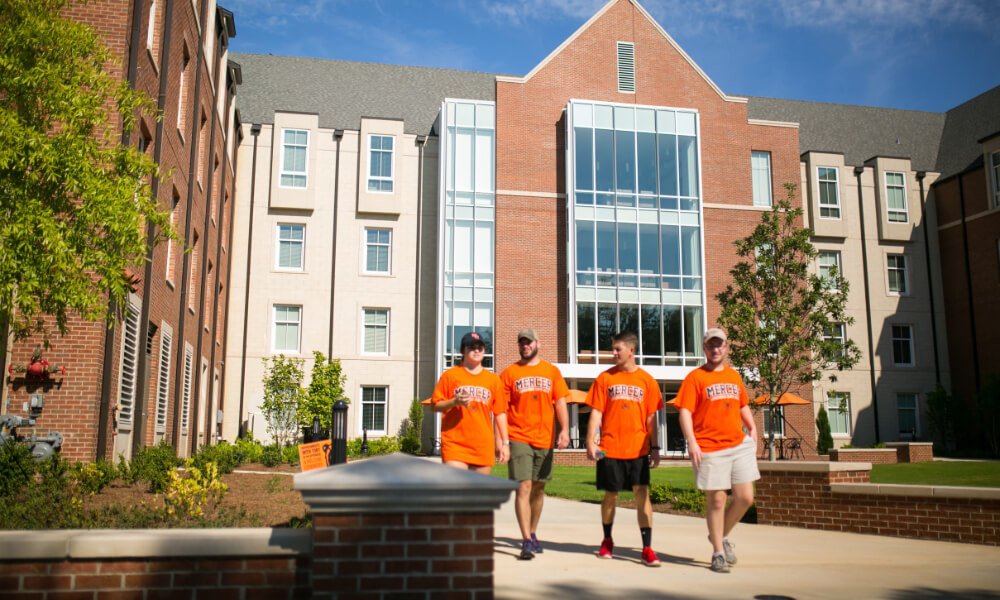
[
  {"x": 961, "y": 473},
  {"x": 577, "y": 483}
]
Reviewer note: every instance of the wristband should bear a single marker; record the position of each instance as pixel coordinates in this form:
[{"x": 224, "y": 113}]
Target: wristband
[{"x": 506, "y": 443}]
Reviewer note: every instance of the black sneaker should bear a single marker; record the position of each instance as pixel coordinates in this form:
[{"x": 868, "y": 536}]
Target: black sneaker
[
  {"x": 526, "y": 553},
  {"x": 536, "y": 546}
]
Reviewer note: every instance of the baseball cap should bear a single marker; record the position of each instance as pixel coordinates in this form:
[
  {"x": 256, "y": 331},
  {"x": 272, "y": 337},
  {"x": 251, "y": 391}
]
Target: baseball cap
[
  {"x": 471, "y": 339},
  {"x": 714, "y": 332},
  {"x": 527, "y": 332}
]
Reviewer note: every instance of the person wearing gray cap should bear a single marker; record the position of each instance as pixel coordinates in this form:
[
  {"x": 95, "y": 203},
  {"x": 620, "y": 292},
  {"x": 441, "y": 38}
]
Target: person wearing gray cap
[
  {"x": 714, "y": 411},
  {"x": 536, "y": 392}
]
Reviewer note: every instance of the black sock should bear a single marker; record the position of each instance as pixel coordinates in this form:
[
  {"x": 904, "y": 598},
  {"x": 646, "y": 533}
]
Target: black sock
[
  {"x": 607, "y": 528},
  {"x": 647, "y": 536}
]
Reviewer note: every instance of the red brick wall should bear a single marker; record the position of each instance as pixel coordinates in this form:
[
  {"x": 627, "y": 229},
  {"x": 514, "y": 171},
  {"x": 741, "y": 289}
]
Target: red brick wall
[
  {"x": 876, "y": 456},
  {"x": 182, "y": 579},
  {"x": 406, "y": 554}
]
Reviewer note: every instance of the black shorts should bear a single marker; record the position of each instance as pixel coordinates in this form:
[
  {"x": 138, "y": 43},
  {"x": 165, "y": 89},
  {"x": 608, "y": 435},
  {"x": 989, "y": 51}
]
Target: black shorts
[{"x": 617, "y": 474}]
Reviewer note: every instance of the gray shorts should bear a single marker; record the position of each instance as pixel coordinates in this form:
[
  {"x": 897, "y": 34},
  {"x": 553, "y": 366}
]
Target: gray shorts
[
  {"x": 722, "y": 469},
  {"x": 529, "y": 463}
]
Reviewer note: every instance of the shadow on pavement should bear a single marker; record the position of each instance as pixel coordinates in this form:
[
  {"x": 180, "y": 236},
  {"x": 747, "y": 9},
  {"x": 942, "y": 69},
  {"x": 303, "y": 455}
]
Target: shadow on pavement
[
  {"x": 512, "y": 547},
  {"x": 933, "y": 594}
]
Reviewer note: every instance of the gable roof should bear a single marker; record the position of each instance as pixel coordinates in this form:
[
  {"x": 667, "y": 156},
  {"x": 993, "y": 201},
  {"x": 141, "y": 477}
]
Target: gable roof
[
  {"x": 964, "y": 128},
  {"x": 342, "y": 92}
]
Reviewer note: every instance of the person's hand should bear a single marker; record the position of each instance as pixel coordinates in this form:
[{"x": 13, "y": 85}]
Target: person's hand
[
  {"x": 461, "y": 398},
  {"x": 592, "y": 450},
  {"x": 562, "y": 442},
  {"x": 694, "y": 451},
  {"x": 503, "y": 454},
  {"x": 654, "y": 458}
]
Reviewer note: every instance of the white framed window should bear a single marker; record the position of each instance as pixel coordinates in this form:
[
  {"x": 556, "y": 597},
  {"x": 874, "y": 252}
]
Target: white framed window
[
  {"x": 896, "y": 270},
  {"x": 907, "y": 415},
  {"x": 128, "y": 373},
  {"x": 186, "y": 391},
  {"x": 626, "y": 67},
  {"x": 294, "y": 158},
  {"x": 378, "y": 250},
  {"x": 374, "y": 401},
  {"x": 829, "y": 268},
  {"x": 380, "y": 163},
  {"x": 902, "y": 345},
  {"x": 376, "y": 334},
  {"x": 838, "y": 408},
  {"x": 895, "y": 197},
  {"x": 182, "y": 93},
  {"x": 163, "y": 377},
  {"x": 760, "y": 167},
  {"x": 779, "y": 426},
  {"x": 836, "y": 332},
  {"x": 995, "y": 170},
  {"x": 829, "y": 193},
  {"x": 287, "y": 328},
  {"x": 171, "y": 260},
  {"x": 290, "y": 247}
]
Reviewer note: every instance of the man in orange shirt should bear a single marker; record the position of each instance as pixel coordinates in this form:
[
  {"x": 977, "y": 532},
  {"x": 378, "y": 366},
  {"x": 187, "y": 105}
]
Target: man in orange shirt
[
  {"x": 713, "y": 404},
  {"x": 535, "y": 392},
  {"x": 469, "y": 395},
  {"x": 623, "y": 401}
]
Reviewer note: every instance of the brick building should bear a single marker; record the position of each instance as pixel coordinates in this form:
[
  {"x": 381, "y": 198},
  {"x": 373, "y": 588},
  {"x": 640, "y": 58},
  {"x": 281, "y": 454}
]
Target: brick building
[{"x": 156, "y": 375}]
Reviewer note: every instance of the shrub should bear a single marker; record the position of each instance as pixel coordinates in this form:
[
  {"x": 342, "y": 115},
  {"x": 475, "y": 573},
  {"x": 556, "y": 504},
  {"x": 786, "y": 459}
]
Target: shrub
[
  {"x": 91, "y": 478},
  {"x": 16, "y": 467},
  {"x": 326, "y": 386},
  {"x": 222, "y": 454},
  {"x": 154, "y": 465},
  {"x": 412, "y": 428},
  {"x": 290, "y": 455},
  {"x": 376, "y": 446},
  {"x": 188, "y": 496},
  {"x": 247, "y": 451},
  {"x": 824, "y": 439},
  {"x": 47, "y": 503},
  {"x": 270, "y": 456},
  {"x": 680, "y": 498}
]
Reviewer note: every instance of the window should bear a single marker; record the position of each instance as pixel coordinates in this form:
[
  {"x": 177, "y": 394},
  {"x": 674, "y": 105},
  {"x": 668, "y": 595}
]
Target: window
[
  {"x": 373, "y": 402},
  {"x": 376, "y": 338},
  {"x": 130, "y": 358},
  {"x": 193, "y": 274},
  {"x": 626, "y": 67},
  {"x": 380, "y": 171},
  {"x": 377, "y": 250},
  {"x": 171, "y": 262},
  {"x": 291, "y": 242},
  {"x": 902, "y": 345},
  {"x": 897, "y": 274},
  {"x": 760, "y": 166},
  {"x": 153, "y": 31},
  {"x": 182, "y": 93},
  {"x": 995, "y": 169},
  {"x": 202, "y": 151},
  {"x": 829, "y": 194},
  {"x": 836, "y": 333},
  {"x": 163, "y": 380},
  {"x": 287, "y": 325},
  {"x": 186, "y": 392},
  {"x": 838, "y": 407},
  {"x": 294, "y": 153},
  {"x": 906, "y": 413},
  {"x": 829, "y": 268},
  {"x": 895, "y": 197},
  {"x": 779, "y": 426}
]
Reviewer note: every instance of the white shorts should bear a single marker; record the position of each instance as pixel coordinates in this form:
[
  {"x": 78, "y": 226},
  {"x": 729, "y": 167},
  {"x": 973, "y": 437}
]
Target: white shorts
[{"x": 721, "y": 469}]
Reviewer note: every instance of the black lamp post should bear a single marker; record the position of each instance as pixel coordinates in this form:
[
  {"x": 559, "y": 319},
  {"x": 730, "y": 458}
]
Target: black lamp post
[
  {"x": 364, "y": 442},
  {"x": 338, "y": 434}
]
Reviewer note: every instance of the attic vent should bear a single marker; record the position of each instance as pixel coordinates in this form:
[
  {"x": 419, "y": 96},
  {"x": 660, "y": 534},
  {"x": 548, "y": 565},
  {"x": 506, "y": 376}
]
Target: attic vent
[{"x": 626, "y": 67}]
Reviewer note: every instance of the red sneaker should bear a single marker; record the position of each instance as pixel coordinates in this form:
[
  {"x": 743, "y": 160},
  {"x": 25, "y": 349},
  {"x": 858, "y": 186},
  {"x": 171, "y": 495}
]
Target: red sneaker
[
  {"x": 649, "y": 557},
  {"x": 607, "y": 547}
]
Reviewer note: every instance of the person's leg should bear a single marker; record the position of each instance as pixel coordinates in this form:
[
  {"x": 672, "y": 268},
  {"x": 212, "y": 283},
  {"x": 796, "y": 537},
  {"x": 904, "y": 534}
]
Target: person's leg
[
  {"x": 741, "y": 501},
  {"x": 643, "y": 507},
  {"x": 536, "y": 500},
  {"x": 715, "y": 510},
  {"x": 523, "y": 509},
  {"x": 608, "y": 508},
  {"x": 483, "y": 469}
]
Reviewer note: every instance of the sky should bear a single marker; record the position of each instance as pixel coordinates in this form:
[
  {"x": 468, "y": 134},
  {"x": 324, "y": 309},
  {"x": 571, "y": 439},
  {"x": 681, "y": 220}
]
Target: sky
[{"x": 929, "y": 55}]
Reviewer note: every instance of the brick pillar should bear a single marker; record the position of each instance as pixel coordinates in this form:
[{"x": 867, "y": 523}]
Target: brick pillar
[
  {"x": 796, "y": 493},
  {"x": 400, "y": 526}
]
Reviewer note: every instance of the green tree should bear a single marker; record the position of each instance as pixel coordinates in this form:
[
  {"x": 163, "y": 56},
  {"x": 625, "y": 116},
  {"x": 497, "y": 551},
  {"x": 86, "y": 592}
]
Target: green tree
[
  {"x": 778, "y": 315},
  {"x": 412, "y": 428},
  {"x": 824, "y": 439},
  {"x": 325, "y": 388},
  {"x": 283, "y": 394},
  {"x": 74, "y": 201}
]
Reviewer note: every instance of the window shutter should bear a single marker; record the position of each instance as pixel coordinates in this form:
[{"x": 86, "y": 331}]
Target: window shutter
[
  {"x": 130, "y": 356},
  {"x": 166, "y": 346},
  {"x": 626, "y": 67}
]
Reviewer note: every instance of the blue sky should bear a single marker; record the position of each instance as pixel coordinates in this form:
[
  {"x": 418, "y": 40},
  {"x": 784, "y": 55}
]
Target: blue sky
[{"x": 913, "y": 54}]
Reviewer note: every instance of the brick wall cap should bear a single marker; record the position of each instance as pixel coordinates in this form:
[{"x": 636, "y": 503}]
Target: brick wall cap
[
  {"x": 919, "y": 491},
  {"x": 153, "y": 543},
  {"x": 399, "y": 483},
  {"x": 812, "y": 466},
  {"x": 904, "y": 444}
]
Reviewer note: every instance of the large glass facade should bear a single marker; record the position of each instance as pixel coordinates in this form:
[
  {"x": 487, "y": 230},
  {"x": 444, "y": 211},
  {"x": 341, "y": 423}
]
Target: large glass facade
[
  {"x": 636, "y": 246},
  {"x": 468, "y": 214}
]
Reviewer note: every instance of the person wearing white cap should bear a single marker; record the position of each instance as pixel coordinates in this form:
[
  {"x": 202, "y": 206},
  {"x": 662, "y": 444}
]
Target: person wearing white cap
[{"x": 714, "y": 411}]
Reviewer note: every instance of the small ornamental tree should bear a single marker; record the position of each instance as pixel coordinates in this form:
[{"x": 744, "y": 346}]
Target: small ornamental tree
[
  {"x": 283, "y": 394},
  {"x": 778, "y": 315},
  {"x": 824, "y": 439},
  {"x": 325, "y": 388},
  {"x": 412, "y": 428}
]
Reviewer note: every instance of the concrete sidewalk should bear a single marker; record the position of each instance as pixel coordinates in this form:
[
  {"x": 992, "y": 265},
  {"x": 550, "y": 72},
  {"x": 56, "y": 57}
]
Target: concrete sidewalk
[{"x": 775, "y": 563}]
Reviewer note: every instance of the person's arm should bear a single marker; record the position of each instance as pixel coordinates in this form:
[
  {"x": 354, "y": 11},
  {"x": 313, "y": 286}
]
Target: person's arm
[
  {"x": 459, "y": 399},
  {"x": 687, "y": 428},
  {"x": 502, "y": 440},
  {"x": 592, "y": 425},
  {"x": 562, "y": 415},
  {"x": 746, "y": 415},
  {"x": 653, "y": 427}
]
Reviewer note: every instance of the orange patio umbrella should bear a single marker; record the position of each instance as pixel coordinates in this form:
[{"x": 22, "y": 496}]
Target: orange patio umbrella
[{"x": 785, "y": 399}]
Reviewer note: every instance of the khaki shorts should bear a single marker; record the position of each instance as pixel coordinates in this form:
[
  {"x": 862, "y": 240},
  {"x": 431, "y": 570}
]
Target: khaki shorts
[
  {"x": 529, "y": 463},
  {"x": 722, "y": 469}
]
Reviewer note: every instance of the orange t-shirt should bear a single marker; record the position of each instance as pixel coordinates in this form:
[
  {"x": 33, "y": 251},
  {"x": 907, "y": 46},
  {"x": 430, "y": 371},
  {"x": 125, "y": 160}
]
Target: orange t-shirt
[
  {"x": 714, "y": 399},
  {"x": 467, "y": 432},
  {"x": 531, "y": 393},
  {"x": 625, "y": 401}
]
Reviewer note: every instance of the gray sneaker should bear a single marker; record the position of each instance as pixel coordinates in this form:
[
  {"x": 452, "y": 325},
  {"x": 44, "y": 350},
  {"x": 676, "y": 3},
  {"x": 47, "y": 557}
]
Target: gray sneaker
[
  {"x": 719, "y": 564},
  {"x": 730, "y": 552}
]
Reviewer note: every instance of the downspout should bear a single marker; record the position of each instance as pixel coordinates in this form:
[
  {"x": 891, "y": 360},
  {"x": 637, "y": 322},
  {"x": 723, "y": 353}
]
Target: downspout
[
  {"x": 421, "y": 144},
  {"x": 229, "y": 90},
  {"x": 104, "y": 406},
  {"x": 338, "y": 135},
  {"x": 255, "y": 132},
  {"x": 868, "y": 300},
  {"x": 968, "y": 286},
  {"x": 930, "y": 280}
]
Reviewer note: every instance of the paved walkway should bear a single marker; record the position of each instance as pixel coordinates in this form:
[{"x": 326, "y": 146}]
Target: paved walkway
[{"x": 776, "y": 563}]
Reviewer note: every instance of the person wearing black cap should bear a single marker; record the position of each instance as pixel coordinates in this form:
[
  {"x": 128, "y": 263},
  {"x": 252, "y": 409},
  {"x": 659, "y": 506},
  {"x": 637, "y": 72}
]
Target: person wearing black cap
[{"x": 469, "y": 396}]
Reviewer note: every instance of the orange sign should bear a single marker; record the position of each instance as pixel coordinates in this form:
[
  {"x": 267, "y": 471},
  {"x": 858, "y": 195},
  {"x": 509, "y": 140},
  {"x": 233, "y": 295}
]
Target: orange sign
[{"x": 314, "y": 455}]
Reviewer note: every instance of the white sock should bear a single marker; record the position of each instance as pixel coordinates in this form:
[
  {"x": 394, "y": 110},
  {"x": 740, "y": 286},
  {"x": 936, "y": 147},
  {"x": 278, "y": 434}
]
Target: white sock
[{"x": 714, "y": 554}]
